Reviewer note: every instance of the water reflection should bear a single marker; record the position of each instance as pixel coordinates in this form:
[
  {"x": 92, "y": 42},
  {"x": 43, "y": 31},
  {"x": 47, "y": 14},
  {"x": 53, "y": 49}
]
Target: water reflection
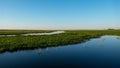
[
  {"x": 86, "y": 45},
  {"x": 101, "y": 42},
  {"x": 39, "y": 51},
  {"x": 57, "y": 47},
  {"x": 47, "y": 49},
  {"x": 118, "y": 37},
  {"x": 103, "y": 39},
  {"x": 85, "y": 55}
]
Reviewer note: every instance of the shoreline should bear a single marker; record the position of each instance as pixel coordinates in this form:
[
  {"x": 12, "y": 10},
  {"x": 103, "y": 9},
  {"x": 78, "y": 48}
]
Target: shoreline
[{"x": 42, "y": 41}]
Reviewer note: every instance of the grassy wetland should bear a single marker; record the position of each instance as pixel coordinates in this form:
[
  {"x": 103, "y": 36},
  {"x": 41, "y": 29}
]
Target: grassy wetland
[
  {"x": 41, "y": 41},
  {"x": 19, "y": 32}
]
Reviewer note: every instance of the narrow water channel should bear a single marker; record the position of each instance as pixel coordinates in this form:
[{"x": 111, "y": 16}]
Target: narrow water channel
[{"x": 31, "y": 34}]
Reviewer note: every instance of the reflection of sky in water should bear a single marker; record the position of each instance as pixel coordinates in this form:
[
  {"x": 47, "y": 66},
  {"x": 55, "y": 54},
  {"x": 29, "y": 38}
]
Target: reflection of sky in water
[
  {"x": 100, "y": 52},
  {"x": 103, "y": 41}
]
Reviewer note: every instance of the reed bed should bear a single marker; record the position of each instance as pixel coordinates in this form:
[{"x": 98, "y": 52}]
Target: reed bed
[
  {"x": 31, "y": 42},
  {"x": 19, "y": 32}
]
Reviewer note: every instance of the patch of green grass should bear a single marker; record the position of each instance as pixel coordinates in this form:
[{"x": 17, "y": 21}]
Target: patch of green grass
[
  {"x": 18, "y": 32},
  {"x": 69, "y": 37}
]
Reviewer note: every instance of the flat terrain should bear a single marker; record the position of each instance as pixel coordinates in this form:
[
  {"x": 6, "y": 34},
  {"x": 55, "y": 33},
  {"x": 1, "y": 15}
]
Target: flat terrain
[
  {"x": 18, "y": 32},
  {"x": 30, "y": 42}
]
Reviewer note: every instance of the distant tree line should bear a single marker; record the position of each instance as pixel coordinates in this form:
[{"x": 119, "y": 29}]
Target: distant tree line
[{"x": 112, "y": 29}]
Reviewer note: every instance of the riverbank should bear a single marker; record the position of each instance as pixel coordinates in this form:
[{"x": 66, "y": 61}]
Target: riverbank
[{"x": 69, "y": 37}]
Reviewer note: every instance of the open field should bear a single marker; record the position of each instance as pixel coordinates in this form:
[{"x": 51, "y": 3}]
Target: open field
[
  {"x": 18, "y": 32},
  {"x": 31, "y": 42}
]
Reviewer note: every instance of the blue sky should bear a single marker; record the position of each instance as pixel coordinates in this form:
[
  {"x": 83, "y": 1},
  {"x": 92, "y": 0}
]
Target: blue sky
[{"x": 59, "y": 14}]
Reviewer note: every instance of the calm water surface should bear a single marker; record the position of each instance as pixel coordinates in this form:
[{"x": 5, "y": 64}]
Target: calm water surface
[{"x": 103, "y": 52}]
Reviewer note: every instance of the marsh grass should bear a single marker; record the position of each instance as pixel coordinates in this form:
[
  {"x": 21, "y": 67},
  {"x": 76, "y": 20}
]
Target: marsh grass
[
  {"x": 31, "y": 42},
  {"x": 19, "y": 32}
]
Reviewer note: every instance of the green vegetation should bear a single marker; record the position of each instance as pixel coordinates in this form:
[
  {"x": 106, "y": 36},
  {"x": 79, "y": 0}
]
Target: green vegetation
[
  {"x": 31, "y": 42},
  {"x": 18, "y": 32}
]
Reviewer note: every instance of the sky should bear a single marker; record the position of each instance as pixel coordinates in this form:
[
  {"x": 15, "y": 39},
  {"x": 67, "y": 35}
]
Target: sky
[{"x": 59, "y": 14}]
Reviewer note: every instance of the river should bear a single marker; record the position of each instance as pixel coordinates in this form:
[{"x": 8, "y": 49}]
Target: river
[{"x": 103, "y": 52}]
